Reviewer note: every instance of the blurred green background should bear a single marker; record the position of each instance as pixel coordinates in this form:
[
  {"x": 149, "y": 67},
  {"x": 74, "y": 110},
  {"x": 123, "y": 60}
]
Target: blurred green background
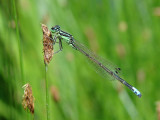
[{"x": 126, "y": 32}]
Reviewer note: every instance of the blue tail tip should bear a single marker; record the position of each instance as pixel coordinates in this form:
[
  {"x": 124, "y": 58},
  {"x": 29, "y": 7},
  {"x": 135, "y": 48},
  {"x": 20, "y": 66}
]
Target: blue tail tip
[{"x": 136, "y": 92}]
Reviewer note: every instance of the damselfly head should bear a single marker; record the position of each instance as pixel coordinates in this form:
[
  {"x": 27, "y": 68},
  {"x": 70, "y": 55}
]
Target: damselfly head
[{"x": 55, "y": 28}]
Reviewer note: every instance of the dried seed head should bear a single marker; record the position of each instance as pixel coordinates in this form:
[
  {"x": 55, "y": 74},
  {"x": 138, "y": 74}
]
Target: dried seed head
[
  {"x": 47, "y": 44},
  {"x": 28, "y": 99}
]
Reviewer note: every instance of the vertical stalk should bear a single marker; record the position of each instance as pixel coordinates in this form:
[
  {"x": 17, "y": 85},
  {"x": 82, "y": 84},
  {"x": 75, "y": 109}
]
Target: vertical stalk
[
  {"x": 47, "y": 95},
  {"x": 19, "y": 42},
  {"x": 19, "y": 45}
]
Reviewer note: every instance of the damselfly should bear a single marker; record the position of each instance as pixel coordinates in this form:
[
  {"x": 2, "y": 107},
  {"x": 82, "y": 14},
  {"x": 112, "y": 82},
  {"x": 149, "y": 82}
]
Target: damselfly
[{"x": 69, "y": 39}]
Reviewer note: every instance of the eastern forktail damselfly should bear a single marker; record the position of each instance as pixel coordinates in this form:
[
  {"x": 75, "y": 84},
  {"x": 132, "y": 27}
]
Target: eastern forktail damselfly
[{"x": 69, "y": 39}]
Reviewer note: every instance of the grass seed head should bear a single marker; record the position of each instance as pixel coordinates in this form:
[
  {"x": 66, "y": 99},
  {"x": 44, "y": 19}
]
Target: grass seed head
[
  {"x": 47, "y": 44},
  {"x": 28, "y": 99}
]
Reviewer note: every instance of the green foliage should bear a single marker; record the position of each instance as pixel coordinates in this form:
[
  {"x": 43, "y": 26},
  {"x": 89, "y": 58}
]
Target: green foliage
[{"x": 125, "y": 32}]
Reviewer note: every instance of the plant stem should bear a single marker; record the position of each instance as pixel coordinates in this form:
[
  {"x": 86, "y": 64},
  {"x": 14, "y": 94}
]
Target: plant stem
[
  {"x": 47, "y": 95},
  {"x": 19, "y": 42}
]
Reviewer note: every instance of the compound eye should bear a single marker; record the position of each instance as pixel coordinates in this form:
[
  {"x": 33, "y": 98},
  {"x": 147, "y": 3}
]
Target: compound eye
[
  {"x": 57, "y": 27},
  {"x": 53, "y": 28}
]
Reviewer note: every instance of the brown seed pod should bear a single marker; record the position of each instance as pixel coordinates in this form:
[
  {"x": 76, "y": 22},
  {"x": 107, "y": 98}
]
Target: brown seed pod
[
  {"x": 28, "y": 99},
  {"x": 47, "y": 44}
]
